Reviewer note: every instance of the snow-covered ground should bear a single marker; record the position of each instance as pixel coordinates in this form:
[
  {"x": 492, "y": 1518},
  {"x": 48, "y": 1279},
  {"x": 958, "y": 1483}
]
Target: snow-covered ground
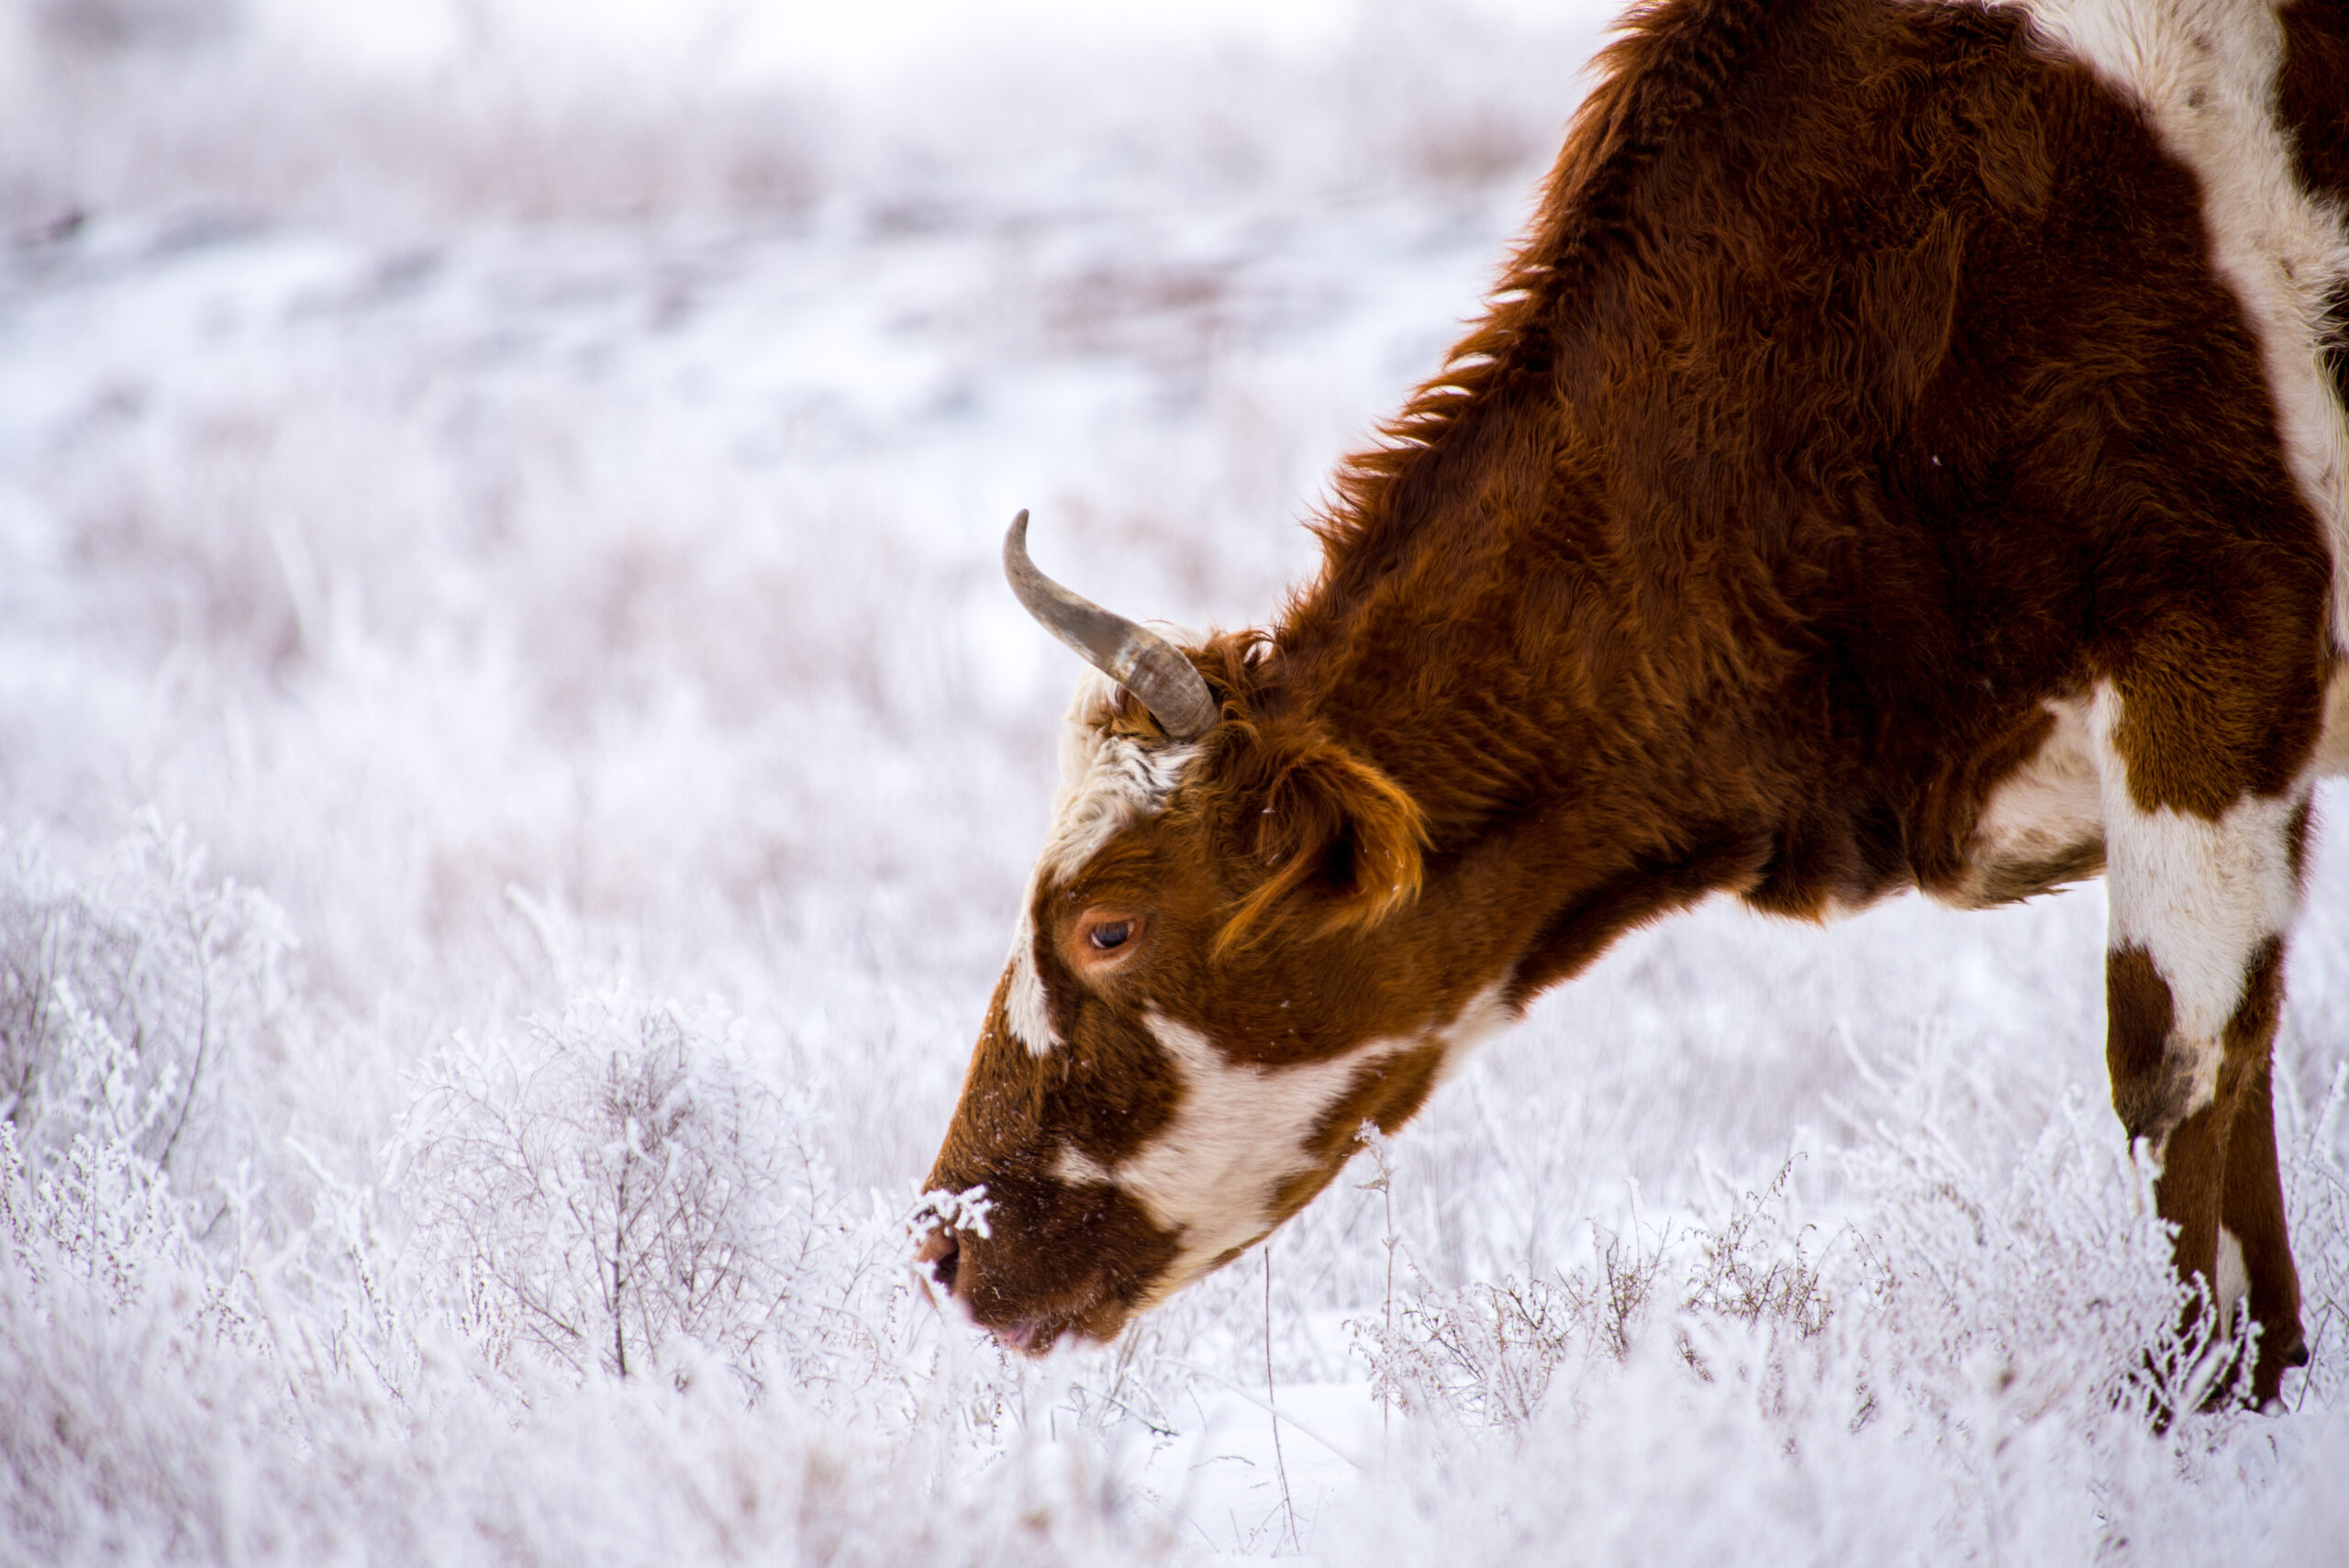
[{"x": 517, "y": 766}]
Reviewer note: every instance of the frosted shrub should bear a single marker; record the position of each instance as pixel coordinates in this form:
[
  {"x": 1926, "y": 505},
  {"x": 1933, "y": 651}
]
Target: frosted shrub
[
  {"x": 102, "y": 1280},
  {"x": 2037, "y": 1284},
  {"x": 2042, "y": 1276},
  {"x": 615, "y": 1186},
  {"x": 1487, "y": 1355},
  {"x": 106, "y": 1303},
  {"x": 1753, "y": 1270},
  {"x": 2316, "y": 1186},
  {"x": 134, "y": 1000},
  {"x": 98, "y": 1199},
  {"x": 1484, "y": 1355}
]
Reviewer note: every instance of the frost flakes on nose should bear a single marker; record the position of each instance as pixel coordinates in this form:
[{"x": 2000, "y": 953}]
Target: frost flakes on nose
[{"x": 943, "y": 1209}]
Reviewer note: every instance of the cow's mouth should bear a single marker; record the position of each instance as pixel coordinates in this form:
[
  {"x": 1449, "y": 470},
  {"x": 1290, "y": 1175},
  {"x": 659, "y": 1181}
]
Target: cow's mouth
[
  {"x": 1090, "y": 1311},
  {"x": 1097, "y": 1323},
  {"x": 1035, "y": 1337},
  {"x": 1031, "y": 1337}
]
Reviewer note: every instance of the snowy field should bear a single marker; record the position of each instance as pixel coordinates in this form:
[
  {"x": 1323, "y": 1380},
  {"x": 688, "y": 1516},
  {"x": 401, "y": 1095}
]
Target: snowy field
[{"x": 516, "y": 766}]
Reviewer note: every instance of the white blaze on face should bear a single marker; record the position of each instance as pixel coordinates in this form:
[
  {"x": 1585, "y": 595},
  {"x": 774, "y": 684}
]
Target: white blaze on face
[
  {"x": 1108, "y": 784},
  {"x": 1026, "y": 1009}
]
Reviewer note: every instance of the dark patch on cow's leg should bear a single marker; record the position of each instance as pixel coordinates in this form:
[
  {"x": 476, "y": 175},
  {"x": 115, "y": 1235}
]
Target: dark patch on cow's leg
[
  {"x": 2296, "y": 843},
  {"x": 2186, "y": 1193},
  {"x": 2153, "y": 1091},
  {"x": 2217, "y": 1159},
  {"x": 2251, "y": 1199},
  {"x": 2138, "y": 1015}
]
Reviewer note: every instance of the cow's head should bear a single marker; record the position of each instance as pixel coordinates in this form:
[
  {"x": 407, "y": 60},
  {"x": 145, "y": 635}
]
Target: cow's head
[{"x": 1215, "y": 981}]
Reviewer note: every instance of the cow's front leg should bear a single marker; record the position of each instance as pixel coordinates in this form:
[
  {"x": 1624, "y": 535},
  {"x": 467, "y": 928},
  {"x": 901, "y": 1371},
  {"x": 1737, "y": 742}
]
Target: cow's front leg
[
  {"x": 2201, "y": 900},
  {"x": 2254, "y": 1246}
]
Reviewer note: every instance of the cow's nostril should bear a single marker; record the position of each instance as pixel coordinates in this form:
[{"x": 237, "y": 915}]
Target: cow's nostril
[{"x": 939, "y": 1254}]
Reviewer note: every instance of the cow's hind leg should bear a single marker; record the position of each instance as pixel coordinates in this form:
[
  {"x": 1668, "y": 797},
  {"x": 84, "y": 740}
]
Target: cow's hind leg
[{"x": 2203, "y": 894}]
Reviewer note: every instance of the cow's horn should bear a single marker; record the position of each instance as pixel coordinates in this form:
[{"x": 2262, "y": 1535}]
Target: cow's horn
[{"x": 1137, "y": 659}]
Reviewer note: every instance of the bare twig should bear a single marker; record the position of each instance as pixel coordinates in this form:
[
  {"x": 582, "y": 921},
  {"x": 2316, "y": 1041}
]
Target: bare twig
[{"x": 1280, "y": 1464}]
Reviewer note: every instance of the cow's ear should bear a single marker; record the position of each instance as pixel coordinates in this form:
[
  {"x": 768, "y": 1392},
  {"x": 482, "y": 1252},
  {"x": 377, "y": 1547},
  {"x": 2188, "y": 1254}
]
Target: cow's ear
[{"x": 1337, "y": 842}]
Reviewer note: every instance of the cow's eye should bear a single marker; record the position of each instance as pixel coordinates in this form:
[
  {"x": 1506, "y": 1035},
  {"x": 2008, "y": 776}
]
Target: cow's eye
[{"x": 1106, "y": 937}]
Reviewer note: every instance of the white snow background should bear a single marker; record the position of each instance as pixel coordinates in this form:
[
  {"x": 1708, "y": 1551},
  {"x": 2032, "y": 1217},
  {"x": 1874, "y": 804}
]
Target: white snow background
[{"x": 517, "y": 766}]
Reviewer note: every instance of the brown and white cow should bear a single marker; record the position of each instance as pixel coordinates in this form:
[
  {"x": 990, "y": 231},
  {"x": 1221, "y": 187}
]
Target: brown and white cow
[{"x": 1907, "y": 452}]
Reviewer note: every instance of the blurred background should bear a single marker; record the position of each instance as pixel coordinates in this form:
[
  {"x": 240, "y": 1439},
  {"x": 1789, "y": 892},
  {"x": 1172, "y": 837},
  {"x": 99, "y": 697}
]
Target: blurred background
[
  {"x": 505, "y": 685},
  {"x": 455, "y": 453}
]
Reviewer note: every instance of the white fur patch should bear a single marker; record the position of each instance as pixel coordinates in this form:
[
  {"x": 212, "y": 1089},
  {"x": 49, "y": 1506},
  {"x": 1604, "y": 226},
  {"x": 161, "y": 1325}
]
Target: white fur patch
[
  {"x": 1108, "y": 781},
  {"x": 1108, "y": 784},
  {"x": 2204, "y": 75},
  {"x": 1075, "y": 1168},
  {"x": 2051, "y": 805},
  {"x": 1483, "y": 1015},
  {"x": 1238, "y": 1134},
  {"x": 2199, "y": 896},
  {"x": 1027, "y": 1012},
  {"x": 2232, "y": 1282}
]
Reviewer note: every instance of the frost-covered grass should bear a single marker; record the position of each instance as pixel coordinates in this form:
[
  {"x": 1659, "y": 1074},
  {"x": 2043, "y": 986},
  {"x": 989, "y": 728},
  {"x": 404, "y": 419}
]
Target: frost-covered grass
[{"x": 516, "y": 766}]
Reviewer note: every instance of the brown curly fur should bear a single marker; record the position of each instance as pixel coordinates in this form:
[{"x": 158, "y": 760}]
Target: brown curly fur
[{"x": 1862, "y": 385}]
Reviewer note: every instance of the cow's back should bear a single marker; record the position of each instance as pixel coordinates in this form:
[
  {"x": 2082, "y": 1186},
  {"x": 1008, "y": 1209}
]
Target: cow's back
[{"x": 1916, "y": 380}]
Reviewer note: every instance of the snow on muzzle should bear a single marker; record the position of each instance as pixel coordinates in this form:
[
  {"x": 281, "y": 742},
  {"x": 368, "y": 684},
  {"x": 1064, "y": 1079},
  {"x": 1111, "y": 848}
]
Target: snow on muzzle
[{"x": 1043, "y": 1258}]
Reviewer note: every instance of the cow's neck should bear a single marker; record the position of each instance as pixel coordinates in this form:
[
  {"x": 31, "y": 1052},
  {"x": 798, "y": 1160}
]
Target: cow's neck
[{"x": 1483, "y": 635}]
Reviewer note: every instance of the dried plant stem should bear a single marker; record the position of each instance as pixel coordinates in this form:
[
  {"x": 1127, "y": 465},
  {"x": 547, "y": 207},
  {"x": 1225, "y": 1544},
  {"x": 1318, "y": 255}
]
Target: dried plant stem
[
  {"x": 1280, "y": 1464},
  {"x": 1370, "y": 1137},
  {"x": 1387, "y": 1194}
]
